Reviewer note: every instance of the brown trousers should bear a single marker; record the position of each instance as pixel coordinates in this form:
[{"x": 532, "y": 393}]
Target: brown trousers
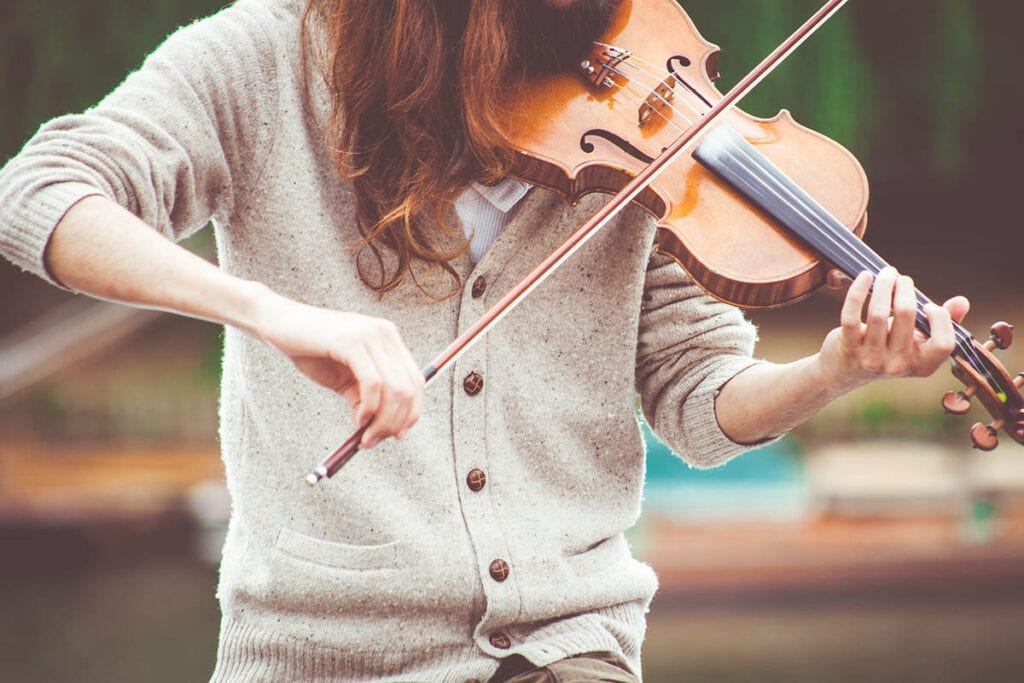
[{"x": 592, "y": 666}]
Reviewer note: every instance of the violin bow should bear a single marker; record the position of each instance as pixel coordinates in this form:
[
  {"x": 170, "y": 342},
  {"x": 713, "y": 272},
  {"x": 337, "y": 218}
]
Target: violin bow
[{"x": 336, "y": 460}]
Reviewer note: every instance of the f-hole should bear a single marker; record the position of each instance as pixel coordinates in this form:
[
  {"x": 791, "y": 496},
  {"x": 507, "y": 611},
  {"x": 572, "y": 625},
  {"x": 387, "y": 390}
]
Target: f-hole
[
  {"x": 684, "y": 62},
  {"x": 588, "y": 146}
]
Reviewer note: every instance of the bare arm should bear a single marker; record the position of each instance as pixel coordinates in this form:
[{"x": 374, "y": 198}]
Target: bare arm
[
  {"x": 173, "y": 144},
  {"x": 103, "y": 250},
  {"x": 768, "y": 400}
]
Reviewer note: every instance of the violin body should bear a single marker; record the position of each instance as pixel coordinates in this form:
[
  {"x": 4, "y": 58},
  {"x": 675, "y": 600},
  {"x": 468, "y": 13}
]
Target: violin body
[{"x": 602, "y": 126}]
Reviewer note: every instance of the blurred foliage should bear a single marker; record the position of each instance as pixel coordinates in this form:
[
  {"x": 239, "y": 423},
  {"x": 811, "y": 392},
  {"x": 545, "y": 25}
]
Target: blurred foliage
[
  {"x": 875, "y": 68},
  {"x": 63, "y": 55},
  {"x": 885, "y": 418},
  {"x": 827, "y": 83}
]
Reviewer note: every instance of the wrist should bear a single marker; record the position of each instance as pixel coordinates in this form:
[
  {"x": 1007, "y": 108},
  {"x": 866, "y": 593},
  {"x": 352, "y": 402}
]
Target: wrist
[
  {"x": 833, "y": 380},
  {"x": 257, "y": 304}
]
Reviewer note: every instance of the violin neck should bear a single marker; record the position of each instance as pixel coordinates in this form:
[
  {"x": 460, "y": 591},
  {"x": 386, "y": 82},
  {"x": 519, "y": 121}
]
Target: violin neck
[{"x": 729, "y": 156}]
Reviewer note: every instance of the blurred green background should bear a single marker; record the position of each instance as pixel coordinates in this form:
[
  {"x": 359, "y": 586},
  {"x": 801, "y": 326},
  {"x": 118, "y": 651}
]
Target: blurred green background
[{"x": 777, "y": 567}]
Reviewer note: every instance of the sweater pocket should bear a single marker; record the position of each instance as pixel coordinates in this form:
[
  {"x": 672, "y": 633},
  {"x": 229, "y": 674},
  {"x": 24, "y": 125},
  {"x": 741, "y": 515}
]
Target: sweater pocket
[
  {"x": 337, "y": 555},
  {"x": 602, "y": 555}
]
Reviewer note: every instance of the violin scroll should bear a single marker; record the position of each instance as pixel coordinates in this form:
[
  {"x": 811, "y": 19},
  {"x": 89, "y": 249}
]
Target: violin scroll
[
  {"x": 986, "y": 379},
  {"x": 1002, "y": 335}
]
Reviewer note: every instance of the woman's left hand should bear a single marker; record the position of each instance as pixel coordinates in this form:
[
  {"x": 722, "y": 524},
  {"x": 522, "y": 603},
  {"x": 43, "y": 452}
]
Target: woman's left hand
[{"x": 883, "y": 342}]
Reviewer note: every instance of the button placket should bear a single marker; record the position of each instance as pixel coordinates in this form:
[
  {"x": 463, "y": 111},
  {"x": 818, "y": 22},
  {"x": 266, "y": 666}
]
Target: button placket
[{"x": 469, "y": 400}]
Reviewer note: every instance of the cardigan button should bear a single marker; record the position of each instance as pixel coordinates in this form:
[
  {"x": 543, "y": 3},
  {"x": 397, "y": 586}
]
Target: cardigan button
[
  {"x": 499, "y": 570},
  {"x": 501, "y": 641},
  {"x": 479, "y": 287},
  {"x": 473, "y": 383},
  {"x": 476, "y": 480}
]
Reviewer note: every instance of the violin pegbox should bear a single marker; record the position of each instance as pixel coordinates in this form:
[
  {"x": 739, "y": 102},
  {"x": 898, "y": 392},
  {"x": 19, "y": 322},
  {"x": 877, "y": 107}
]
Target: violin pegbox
[{"x": 987, "y": 380}]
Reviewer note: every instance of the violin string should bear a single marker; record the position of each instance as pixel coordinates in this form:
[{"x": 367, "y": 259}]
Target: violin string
[
  {"x": 689, "y": 91},
  {"x": 627, "y": 61},
  {"x": 654, "y": 91},
  {"x": 861, "y": 255},
  {"x": 863, "y": 258},
  {"x": 632, "y": 60},
  {"x": 852, "y": 248},
  {"x": 617, "y": 71},
  {"x": 637, "y": 97},
  {"x": 857, "y": 255},
  {"x": 643, "y": 100}
]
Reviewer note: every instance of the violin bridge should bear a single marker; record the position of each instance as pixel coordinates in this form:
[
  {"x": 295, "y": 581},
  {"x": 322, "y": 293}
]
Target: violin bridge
[{"x": 659, "y": 100}]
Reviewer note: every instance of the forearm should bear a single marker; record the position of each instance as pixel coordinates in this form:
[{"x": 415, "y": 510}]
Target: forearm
[
  {"x": 768, "y": 400},
  {"x": 101, "y": 249}
]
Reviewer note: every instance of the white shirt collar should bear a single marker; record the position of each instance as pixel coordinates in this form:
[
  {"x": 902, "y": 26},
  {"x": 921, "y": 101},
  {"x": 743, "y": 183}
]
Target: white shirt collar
[{"x": 504, "y": 194}]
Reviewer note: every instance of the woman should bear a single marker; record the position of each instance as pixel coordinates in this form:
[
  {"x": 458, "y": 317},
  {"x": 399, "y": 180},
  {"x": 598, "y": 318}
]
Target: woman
[{"x": 350, "y": 157}]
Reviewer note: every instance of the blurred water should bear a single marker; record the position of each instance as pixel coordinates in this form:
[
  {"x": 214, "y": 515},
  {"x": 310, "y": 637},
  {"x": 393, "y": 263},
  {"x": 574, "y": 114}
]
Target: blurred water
[
  {"x": 764, "y": 484},
  {"x": 91, "y": 604},
  {"x": 94, "y": 611},
  {"x": 150, "y": 615}
]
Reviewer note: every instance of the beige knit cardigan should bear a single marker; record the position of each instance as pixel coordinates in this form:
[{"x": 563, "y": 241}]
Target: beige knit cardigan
[{"x": 383, "y": 572}]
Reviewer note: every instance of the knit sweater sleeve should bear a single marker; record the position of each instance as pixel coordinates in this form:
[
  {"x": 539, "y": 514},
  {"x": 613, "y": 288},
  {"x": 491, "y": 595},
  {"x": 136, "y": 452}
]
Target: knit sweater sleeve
[
  {"x": 170, "y": 144},
  {"x": 689, "y": 346}
]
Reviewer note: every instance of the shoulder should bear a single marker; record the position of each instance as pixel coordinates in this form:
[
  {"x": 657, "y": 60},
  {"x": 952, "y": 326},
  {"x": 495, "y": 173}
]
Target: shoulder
[
  {"x": 253, "y": 20},
  {"x": 238, "y": 58},
  {"x": 258, "y": 31},
  {"x": 274, "y": 16}
]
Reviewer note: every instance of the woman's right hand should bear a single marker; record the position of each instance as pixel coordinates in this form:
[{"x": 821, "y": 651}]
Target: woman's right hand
[
  {"x": 361, "y": 358},
  {"x": 101, "y": 249}
]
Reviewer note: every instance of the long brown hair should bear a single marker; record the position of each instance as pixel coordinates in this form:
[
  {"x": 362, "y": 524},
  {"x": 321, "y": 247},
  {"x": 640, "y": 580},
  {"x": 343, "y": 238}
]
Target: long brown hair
[
  {"x": 414, "y": 88},
  {"x": 416, "y": 103}
]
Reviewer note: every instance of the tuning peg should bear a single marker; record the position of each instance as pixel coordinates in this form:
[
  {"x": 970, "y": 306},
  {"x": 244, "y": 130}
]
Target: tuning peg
[
  {"x": 958, "y": 402},
  {"x": 986, "y": 437},
  {"x": 1017, "y": 430},
  {"x": 1001, "y": 336}
]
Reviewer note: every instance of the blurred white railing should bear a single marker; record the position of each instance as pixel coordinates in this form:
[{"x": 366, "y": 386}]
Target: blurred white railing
[{"x": 62, "y": 337}]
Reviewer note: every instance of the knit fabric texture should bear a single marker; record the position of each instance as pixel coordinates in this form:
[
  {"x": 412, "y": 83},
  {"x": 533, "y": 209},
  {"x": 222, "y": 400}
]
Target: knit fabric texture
[{"x": 383, "y": 572}]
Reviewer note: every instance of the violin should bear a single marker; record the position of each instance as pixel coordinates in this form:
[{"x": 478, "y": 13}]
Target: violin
[
  {"x": 761, "y": 210},
  {"x": 756, "y": 211}
]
